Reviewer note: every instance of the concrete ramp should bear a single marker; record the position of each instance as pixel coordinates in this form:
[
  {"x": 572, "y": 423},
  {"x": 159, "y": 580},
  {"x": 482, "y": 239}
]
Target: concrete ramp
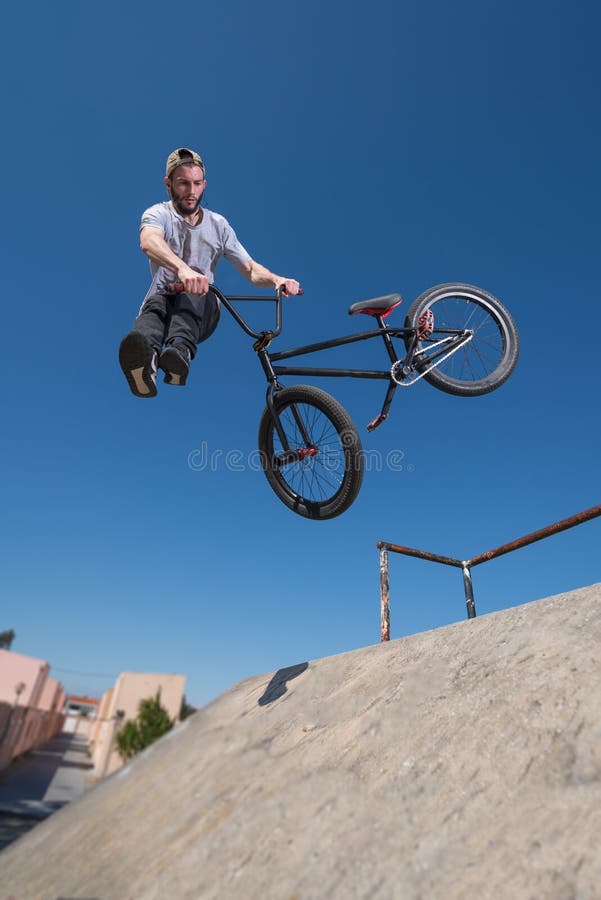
[{"x": 460, "y": 763}]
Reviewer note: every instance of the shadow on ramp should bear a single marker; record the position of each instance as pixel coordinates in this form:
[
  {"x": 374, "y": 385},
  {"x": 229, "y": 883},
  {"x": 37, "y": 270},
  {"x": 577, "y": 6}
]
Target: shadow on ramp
[{"x": 277, "y": 686}]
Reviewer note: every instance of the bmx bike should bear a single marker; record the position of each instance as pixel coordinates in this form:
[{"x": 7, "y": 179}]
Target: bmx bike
[{"x": 457, "y": 337}]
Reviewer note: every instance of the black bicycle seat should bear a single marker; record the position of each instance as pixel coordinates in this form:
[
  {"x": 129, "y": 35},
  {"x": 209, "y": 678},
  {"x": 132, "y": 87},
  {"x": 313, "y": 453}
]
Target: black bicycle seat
[{"x": 377, "y": 306}]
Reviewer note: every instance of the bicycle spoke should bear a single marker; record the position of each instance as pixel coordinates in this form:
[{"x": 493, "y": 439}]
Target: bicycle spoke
[
  {"x": 481, "y": 355},
  {"x": 318, "y": 476}
]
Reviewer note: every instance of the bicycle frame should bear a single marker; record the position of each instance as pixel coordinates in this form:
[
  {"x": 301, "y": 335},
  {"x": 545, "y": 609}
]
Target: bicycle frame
[{"x": 403, "y": 371}]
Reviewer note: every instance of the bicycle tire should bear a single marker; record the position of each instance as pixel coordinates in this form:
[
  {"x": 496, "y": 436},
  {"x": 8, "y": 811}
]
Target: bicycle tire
[
  {"x": 487, "y": 361},
  {"x": 323, "y": 485}
]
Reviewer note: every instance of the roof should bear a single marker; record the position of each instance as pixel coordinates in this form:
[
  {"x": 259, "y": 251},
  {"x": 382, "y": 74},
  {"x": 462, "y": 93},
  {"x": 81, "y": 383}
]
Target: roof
[{"x": 89, "y": 701}]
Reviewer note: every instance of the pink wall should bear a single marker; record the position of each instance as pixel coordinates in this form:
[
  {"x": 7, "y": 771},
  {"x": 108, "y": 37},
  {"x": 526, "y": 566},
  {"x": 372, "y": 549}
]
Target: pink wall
[
  {"x": 52, "y": 697},
  {"x": 17, "y": 669},
  {"x": 30, "y": 705},
  {"x": 23, "y": 728}
]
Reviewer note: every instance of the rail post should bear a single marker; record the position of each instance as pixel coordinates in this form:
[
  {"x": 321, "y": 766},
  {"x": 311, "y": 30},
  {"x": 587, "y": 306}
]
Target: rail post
[
  {"x": 384, "y": 596},
  {"x": 469, "y": 591}
]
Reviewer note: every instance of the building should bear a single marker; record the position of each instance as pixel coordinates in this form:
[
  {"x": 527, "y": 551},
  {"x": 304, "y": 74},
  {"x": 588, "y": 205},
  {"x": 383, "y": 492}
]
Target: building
[
  {"x": 121, "y": 703},
  {"x": 80, "y": 712},
  {"x": 31, "y": 705},
  {"x": 22, "y": 678}
]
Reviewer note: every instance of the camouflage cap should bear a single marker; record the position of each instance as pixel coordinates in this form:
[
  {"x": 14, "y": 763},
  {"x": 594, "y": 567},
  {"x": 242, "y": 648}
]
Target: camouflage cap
[{"x": 182, "y": 157}]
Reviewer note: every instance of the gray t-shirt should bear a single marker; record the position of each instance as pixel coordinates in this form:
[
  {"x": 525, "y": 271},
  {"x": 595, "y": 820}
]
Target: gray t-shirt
[{"x": 200, "y": 246}]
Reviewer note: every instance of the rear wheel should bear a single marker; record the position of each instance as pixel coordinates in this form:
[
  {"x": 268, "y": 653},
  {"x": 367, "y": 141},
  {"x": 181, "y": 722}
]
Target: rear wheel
[
  {"x": 320, "y": 475},
  {"x": 484, "y": 362}
]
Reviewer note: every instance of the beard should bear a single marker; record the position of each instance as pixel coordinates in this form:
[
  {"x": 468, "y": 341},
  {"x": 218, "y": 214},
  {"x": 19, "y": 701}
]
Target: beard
[{"x": 183, "y": 206}]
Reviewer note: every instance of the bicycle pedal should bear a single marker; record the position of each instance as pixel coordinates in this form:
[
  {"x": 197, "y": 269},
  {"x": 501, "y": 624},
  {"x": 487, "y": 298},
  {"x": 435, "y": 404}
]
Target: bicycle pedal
[{"x": 381, "y": 417}]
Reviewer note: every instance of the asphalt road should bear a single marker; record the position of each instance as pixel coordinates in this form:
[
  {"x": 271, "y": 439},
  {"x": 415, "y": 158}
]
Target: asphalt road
[{"x": 40, "y": 782}]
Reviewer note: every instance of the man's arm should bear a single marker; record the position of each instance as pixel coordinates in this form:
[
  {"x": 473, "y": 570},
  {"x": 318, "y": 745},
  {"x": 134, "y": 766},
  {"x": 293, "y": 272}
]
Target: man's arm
[
  {"x": 154, "y": 245},
  {"x": 262, "y": 277}
]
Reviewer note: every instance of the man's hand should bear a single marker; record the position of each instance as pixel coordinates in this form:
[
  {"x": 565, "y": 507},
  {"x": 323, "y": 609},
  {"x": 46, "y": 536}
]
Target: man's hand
[
  {"x": 193, "y": 282},
  {"x": 259, "y": 275},
  {"x": 288, "y": 286}
]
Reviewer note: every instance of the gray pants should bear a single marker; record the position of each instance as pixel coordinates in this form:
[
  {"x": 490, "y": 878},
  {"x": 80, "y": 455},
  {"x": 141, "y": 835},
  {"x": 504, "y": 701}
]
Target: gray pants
[{"x": 186, "y": 319}]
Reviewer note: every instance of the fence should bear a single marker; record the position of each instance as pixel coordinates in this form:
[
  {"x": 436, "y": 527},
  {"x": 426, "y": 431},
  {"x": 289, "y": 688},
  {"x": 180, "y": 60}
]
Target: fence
[
  {"x": 23, "y": 728},
  {"x": 466, "y": 565}
]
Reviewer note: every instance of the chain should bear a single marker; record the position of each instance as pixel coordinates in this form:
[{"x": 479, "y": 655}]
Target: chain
[{"x": 407, "y": 382}]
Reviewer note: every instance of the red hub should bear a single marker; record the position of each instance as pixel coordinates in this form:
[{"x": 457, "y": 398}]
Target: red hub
[{"x": 308, "y": 451}]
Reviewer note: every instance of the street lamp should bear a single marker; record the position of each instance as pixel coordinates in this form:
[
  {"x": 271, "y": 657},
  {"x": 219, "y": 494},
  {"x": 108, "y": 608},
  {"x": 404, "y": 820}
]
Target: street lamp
[{"x": 19, "y": 688}]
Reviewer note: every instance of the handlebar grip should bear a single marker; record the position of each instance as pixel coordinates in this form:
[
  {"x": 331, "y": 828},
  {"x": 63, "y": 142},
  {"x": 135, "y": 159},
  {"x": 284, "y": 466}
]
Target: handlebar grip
[
  {"x": 282, "y": 292},
  {"x": 176, "y": 287}
]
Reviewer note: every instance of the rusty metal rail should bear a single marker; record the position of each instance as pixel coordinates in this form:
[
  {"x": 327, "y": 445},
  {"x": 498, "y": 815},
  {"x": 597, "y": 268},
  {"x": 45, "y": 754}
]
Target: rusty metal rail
[{"x": 466, "y": 565}]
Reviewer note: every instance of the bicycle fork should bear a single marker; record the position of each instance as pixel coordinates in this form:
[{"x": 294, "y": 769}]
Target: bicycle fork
[{"x": 289, "y": 455}]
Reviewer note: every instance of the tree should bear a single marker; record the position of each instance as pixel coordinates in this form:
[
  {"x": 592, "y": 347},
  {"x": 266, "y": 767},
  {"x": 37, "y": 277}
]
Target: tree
[
  {"x": 6, "y": 639},
  {"x": 151, "y": 723},
  {"x": 185, "y": 709},
  {"x": 128, "y": 740}
]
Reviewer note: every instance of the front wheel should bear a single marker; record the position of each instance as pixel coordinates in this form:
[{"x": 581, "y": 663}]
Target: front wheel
[
  {"x": 320, "y": 472},
  {"x": 481, "y": 364}
]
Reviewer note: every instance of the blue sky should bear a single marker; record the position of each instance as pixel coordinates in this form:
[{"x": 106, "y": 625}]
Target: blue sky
[{"x": 364, "y": 149}]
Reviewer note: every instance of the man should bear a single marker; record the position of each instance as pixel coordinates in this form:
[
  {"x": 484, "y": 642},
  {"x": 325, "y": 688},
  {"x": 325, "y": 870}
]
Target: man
[{"x": 184, "y": 243}]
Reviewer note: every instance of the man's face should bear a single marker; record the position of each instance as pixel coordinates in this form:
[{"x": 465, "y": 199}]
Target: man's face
[{"x": 186, "y": 187}]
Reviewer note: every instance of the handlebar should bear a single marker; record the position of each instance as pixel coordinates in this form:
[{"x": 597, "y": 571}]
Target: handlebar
[{"x": 178, "y": 288}]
